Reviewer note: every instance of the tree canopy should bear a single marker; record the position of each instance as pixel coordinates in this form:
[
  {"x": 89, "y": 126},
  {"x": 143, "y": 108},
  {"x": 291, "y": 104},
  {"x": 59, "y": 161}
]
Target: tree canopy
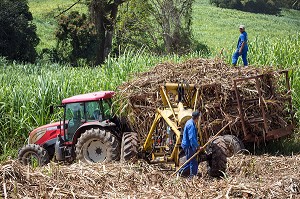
[
  {"x": 255, "y": 6},
  {"x": 163, "y": 26},
  {"x": 17, "y": 32},
  {"x": 76, "y": 38}
]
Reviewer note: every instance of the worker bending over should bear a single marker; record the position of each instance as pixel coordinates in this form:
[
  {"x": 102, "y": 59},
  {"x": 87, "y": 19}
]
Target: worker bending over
[{"x": 190, "y": 144}]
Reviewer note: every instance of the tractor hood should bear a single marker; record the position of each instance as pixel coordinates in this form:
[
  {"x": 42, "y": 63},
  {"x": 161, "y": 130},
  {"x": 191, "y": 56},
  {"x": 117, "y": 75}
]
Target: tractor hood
[{"x": 42, "y": 133}]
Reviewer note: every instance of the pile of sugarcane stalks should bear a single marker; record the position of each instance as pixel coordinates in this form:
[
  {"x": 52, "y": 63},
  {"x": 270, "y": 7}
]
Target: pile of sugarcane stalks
[
  {"x": 217, "y": 98},
  {"x": 247, "y": 177}
]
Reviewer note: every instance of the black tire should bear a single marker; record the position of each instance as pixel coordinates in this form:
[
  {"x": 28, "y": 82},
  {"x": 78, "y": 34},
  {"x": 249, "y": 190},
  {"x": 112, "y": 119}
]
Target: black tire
[
  {"x": 129, "y": 146},
  {"x": 234, "y": 145},
  {"x": 33, "y": 155},
  {"x": 97, "y": 145},
  {"x": 217, "y": 157}
]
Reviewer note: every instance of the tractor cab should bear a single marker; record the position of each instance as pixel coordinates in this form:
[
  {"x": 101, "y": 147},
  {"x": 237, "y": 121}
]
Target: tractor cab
[{"x": 91, "y": 108}]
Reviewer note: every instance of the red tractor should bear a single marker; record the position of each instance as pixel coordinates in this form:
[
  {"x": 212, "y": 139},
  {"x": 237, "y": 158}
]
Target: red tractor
[{"x": 88, "y": 132}]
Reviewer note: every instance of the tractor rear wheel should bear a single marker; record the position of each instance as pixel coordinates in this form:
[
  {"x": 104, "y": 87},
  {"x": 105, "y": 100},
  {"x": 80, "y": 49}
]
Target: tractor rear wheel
[
  {"x": 234, "y": 145},
  {"x": 129, "y": 146},
  {"x": 217, "y": 161},
  {"x": 97, "y": 145},
  {"x": 33, "y": 155}
]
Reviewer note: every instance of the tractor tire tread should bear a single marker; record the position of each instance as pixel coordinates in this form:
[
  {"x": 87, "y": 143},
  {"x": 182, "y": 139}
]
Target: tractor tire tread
[
  {"x": 234, "y": 145},
  {"x": 129, "y": 146},
  {"x": 40, "y": 152},
  {"x": 109, "y": 140},
  {"x": 217, "y": 164}
]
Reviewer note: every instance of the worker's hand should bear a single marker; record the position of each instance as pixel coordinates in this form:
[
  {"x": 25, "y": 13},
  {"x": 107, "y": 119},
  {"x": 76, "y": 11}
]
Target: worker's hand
[
  {"x": 200, "y": 148},
  {"x": 240, "y": 52}
]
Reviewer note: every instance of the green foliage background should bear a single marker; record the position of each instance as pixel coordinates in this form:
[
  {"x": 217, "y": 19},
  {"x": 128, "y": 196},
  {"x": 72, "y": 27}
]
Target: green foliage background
[
  {"x": 76, "y": 39},
  {"x": 254, "y": 6},
  {"x": 27, "y": 90},
  {"x": 17, "y": 32}
]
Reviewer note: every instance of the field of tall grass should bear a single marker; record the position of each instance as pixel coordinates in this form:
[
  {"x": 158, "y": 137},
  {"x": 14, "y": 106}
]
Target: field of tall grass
[{"x": 27, "y": 90}]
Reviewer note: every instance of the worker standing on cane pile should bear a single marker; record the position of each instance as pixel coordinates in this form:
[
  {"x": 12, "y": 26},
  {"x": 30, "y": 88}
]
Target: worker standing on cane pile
[{"x": 190, "y": 145}]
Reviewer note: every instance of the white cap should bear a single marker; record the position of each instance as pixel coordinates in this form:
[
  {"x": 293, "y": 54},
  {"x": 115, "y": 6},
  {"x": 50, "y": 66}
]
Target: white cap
[{"x": 242, "y": 27}]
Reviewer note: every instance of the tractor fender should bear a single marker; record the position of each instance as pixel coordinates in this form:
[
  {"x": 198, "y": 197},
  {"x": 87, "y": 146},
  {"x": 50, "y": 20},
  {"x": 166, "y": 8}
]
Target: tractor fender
[
  {"x": 103, "y": 125},
  {"x": 49, "y": 143}
]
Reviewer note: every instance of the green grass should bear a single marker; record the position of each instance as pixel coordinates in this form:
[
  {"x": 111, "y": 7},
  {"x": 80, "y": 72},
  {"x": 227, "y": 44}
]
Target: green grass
[
  {"x": 28, "y": 90},
  {"x": 218, "y": 28}
]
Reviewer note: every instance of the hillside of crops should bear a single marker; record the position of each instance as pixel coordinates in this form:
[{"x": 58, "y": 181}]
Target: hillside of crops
[{"x": 27, "y": 90}]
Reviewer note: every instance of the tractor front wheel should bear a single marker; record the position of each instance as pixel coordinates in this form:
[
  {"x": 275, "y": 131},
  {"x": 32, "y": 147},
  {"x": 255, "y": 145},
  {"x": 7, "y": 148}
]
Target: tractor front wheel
[
  {"x": 129, "y": 147},
  {"x": 33, "y": 155},
  {"x": 97, "y": 145},
  {"x": 217, "y": 157}
]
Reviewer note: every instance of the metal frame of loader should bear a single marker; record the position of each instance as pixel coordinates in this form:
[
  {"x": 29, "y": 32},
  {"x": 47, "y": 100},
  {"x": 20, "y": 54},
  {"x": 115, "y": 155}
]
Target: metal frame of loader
[{"x": 175, "y": 115}]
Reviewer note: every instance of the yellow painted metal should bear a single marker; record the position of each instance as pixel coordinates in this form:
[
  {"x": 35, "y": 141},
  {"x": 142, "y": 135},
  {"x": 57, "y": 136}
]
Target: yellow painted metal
[
  {"x": 175, "y": 117},
  {"x": 168, "y": 121},
  {"x": 148, "y": 142},
  {"x": 168, "y": 101},
  {"x": 175, "y": 128},
  {"x": 183, "y": 114},
  {"x": 163, "y": 98},
  {"x": 174, "y": 86}
]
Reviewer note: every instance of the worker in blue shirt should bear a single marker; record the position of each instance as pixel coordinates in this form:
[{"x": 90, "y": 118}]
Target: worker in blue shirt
[
  {"x": 242, "y": 47},
  {"x": 190, "y": 144}
]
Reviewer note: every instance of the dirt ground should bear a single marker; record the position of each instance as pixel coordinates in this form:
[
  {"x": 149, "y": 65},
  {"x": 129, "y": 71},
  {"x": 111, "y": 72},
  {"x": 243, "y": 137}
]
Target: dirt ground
[{"x": 247, "y": 177}]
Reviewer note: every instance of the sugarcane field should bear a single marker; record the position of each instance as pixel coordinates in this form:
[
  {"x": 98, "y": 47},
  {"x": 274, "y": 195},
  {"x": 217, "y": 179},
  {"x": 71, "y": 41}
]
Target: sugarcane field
[{"x": 149, "y": 99}]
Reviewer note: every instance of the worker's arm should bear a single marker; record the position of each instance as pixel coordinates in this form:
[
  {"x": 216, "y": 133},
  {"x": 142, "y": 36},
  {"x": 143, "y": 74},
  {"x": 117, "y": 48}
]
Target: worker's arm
[
  {"x": 193, "y": 137},
  {"x": 241, "y": 48},
  {"x": 243, "y": 39}
]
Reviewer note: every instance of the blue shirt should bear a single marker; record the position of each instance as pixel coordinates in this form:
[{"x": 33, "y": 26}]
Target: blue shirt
[
  {"x": 243, "y": 38},
  {"x": 189, "y": 138}
]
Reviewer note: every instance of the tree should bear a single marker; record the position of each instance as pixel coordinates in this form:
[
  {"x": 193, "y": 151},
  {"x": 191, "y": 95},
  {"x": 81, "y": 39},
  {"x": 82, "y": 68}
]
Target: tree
[
  {"x": 17, "y": 32},
  {"x": 162, "y": 25},
  {"x": 255, "y": 6},
  {"x": 76, "y": 38},
  {"x": 292, "y": 4},
  {"x": 103, "y": 14},
  {"x": 175, "y": 19},
  {"x": 137, "y": 28}
]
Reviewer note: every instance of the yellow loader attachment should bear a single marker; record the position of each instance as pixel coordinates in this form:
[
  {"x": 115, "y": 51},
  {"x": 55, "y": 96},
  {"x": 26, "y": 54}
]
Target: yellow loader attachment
[{"x": 164, "y": 138}]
